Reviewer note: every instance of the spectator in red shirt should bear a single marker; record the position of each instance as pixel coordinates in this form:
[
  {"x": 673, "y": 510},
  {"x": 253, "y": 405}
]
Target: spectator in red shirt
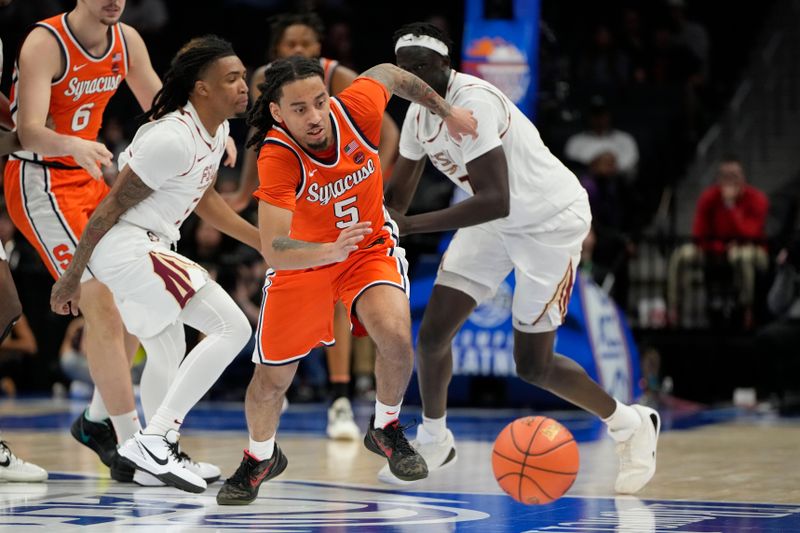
[
  {"x": 730, "y": 210},
  {"x": 728, "y": 231}
]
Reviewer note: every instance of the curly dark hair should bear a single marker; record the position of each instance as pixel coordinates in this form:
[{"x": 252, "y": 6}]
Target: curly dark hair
[
  {"x": 188, "y": 66},
  {"x": 278, "y": 74}
]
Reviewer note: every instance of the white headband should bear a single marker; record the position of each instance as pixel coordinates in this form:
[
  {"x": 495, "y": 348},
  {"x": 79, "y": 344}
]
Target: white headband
[{"x": 424, "y": 41}]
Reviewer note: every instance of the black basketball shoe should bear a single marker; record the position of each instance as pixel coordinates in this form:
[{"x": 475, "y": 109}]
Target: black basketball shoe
[
  {"x": 122, "y": 469},
  {"x": 99, "y": 436},
  {"x": 390, "y": 442},
  {"x": 242, "y": 487}
]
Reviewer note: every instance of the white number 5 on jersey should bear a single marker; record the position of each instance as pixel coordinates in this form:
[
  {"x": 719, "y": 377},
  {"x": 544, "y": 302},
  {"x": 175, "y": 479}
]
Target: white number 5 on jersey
[{"x": 343, "y": 212}]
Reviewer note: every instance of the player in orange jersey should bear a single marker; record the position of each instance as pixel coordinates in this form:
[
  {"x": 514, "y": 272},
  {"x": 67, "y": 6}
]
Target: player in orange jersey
[
  {"x": 68, "y": 68},
  {"x": 327, "y": 237},
  {"x": 300, "y": 34}
]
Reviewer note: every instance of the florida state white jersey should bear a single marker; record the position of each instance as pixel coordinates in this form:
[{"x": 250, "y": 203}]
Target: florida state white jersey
[
  {"x": 177, "y": 158},
  {"x": 540, "y": 185}
]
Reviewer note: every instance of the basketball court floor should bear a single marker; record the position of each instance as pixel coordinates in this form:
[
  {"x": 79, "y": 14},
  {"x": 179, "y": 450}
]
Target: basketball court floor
[{"x": 718, "y": 471}]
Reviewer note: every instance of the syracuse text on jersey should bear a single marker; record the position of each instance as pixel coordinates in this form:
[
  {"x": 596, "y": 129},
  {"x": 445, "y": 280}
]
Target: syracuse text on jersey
[{"x": 324, "y": 193}]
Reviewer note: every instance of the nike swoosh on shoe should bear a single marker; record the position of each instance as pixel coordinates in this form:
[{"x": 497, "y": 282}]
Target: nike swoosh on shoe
[{"x": 162, "y": 462}]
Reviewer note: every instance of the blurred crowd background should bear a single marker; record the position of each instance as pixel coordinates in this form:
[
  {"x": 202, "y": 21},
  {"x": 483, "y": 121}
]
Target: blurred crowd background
[{"x": 678, "y": 116}]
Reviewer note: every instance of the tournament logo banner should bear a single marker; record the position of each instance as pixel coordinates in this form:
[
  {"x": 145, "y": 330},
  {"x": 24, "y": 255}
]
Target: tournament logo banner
[{"x": 504, "y": 51}]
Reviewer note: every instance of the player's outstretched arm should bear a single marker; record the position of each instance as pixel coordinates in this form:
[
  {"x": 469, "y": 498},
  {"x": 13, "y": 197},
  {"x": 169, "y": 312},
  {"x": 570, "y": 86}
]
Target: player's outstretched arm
[
  {"x": 127, "y": 191},
  {"x": 488, "y": 176},
  {"x": 215, "y": 210},
  {"x": 142, "y": 78},
  {"x": 397, "y": 81},
  {"x": 285, "y": 253}
]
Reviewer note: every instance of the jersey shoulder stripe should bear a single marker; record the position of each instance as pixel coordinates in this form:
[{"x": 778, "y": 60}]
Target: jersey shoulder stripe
[
  {"x": 301, "y": 185},
  {"x": 353, "y": 126}
]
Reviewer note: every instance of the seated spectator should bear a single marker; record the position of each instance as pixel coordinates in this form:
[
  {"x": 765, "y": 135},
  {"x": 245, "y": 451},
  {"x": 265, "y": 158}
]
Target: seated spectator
[
  {"x": 728, "y": 234},
  {"x": 601, "y": 137},
  {"x": 602, "y": 64},
  {"x": 609, "y": 198},
  {"x": 777, "y": 342}
]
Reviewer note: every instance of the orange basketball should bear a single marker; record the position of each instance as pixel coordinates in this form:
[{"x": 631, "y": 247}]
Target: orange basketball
[{"x": 535, "y": 460}]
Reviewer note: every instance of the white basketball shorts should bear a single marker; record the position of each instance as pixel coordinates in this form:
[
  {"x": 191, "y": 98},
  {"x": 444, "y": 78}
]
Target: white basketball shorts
[
  {"x": 544, "y": 261},
  {"x": 151, "y": 284}
]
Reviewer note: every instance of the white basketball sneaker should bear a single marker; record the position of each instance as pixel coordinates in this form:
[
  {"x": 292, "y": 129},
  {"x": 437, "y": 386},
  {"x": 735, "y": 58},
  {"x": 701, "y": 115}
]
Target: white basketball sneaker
[
  {"x": 159, "y": 456},
  {"x": 341, "y": 425},
  {"x": 438, "y": 455},
  {"x": 209, "y": 472},
  {"x": 12, "y": 468},
  {"x": 637, "y": 455}
]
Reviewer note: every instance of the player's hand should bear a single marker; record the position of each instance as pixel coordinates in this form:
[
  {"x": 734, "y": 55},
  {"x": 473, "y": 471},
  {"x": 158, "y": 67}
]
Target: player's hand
[
  {"x": 460, "y": 122},
  {"x": 348, "y": 240},
  {"x": 65, "y": 295},
  {"x": 91, "y": 156},
  {"x": 230, "y": 153}
]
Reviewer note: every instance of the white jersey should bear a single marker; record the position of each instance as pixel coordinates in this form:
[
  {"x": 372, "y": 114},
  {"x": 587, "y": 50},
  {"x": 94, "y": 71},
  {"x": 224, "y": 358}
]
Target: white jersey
[
  {"x": 540, "y": 185},
  {"x": 177, "y": 158}
]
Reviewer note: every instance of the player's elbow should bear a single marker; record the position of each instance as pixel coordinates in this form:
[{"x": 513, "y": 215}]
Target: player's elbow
[
  {"x": 501, "y": 205},
  {"x": 24, "y": 136},
  {"x": 271, "y": 257},
  {"x": 276, "y": 257}
]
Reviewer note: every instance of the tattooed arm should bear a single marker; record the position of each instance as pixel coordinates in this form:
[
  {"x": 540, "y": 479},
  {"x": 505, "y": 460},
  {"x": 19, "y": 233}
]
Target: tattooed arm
[
  {"x": 127, "y": 191},
  {"x": 285, "y": 253},
  {"x": 397, "y": 81}
]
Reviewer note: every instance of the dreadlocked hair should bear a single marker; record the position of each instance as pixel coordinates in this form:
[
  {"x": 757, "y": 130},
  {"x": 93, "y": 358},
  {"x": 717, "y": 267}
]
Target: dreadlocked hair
[
  {"x": 420, "y": 29},
  {"x": 278, "y": 74},
  {"x": 188, "y": 66},
  {"x": 279, "y": 23}
]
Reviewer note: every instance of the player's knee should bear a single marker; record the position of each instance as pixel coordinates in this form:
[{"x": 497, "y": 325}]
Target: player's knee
[
  {"x": 266, "y": 385},
  {"x": 10, "y": 313},
  {"x": 396, "y": 346},
  {"x": 238, "y": 328}
]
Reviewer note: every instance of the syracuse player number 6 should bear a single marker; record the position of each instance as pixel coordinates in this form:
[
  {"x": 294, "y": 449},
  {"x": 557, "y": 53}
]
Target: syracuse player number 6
[{"x": 81, "y": 117}]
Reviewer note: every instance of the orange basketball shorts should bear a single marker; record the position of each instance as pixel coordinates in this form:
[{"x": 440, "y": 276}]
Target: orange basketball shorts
[
  {"x": 51, "y": 207},
  {"x": 297, "y": 306}
]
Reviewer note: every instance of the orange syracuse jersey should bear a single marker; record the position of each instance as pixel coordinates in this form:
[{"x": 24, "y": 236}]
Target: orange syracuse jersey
[
  {"x": 79, "y": 97},
  {"x": 329, "y": 195}
]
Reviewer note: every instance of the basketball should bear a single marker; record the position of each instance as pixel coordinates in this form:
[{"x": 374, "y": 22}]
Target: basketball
[{"x": 535, "y": 460}]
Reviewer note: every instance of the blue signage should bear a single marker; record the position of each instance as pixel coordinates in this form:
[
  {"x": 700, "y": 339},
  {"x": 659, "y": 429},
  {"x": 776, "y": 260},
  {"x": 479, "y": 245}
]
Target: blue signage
[{"x": 504, "y": 51}]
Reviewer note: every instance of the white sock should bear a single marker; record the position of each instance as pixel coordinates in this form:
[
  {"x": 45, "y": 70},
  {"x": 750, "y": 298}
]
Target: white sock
[
  {"x": 126, "y": 425},
  {"x": 262, "y": 450},
  {"x": 623, "y": 422},
  {"x": 97, "y": 411},
  {"x": 163, "y": 421},
  {"x": 435, "y": 429},
  {"x": 386, "y": 414}
]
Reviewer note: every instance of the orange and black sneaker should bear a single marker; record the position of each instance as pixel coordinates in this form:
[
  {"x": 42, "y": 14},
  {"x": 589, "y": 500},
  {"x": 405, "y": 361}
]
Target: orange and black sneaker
[
  {"x": 390, "y": 442},
  {"x": 242, "y": 487}
]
